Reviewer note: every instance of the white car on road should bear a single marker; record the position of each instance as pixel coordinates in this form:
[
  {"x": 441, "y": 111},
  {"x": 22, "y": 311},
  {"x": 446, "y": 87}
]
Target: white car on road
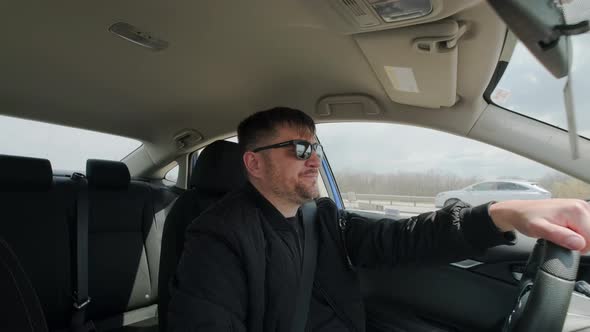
[{"x": 500, "y": 190}]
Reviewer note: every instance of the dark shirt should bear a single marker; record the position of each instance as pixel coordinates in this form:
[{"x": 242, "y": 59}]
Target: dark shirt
[{"x": 321, "y": 316}]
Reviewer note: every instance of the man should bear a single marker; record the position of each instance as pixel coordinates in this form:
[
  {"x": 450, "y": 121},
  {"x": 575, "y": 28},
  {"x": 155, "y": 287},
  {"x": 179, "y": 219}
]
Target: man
[{"x": 242, "y": 260}]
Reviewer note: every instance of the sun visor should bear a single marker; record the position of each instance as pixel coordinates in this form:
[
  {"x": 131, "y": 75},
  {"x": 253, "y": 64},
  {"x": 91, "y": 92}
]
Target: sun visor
[{"x": 417, "y": 65}]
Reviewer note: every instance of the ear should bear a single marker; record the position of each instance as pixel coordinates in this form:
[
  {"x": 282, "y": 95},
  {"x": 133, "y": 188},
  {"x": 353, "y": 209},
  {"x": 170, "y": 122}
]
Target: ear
[{"x": 253, "y": 163}]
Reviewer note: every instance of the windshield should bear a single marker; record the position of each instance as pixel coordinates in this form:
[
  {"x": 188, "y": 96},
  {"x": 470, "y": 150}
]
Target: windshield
[
  {"x": 526, "y": 87},
  {"x": 66, "y": 148}
]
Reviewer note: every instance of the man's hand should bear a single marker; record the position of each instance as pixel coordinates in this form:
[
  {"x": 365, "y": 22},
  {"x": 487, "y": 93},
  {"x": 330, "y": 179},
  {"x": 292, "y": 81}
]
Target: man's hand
[{"x": 565, "y": 222}]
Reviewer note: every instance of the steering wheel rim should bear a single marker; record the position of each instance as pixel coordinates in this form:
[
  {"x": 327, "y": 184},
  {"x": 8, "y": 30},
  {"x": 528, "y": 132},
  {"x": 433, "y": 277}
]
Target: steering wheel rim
[{"x": 545, "y": 289}]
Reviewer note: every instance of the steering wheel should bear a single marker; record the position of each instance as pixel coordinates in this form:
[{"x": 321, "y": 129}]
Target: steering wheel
[{"x": 545, "y": 289}]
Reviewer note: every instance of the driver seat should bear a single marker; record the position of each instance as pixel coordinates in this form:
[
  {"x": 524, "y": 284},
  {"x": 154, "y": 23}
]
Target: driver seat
[{"x": 218, "y": 171}]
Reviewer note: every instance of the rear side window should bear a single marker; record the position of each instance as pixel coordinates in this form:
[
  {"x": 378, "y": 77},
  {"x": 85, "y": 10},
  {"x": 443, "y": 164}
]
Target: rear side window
[
  {"x": 510, "y": 186},
  {"x": 172, "y": 174},
  {"x": 67, "y": 148},
  {"x": 485, "y": 186}
]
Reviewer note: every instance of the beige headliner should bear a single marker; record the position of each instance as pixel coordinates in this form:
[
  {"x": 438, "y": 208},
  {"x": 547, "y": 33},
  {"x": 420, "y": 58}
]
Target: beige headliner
[{"x": 226, "y": 60}]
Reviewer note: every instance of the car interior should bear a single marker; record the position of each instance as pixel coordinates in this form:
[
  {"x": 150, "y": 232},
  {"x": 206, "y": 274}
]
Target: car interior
[{"x": 103, "y": 242}]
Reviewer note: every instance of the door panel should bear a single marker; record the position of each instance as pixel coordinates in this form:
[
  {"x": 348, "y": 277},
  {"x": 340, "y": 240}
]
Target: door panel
[
  {"x": 449, "y": 298},
  {"x": 444, "y": 294}
]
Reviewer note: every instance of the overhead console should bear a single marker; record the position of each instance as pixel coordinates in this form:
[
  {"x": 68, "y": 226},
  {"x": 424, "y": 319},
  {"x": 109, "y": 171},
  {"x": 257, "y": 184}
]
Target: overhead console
[{"x": 358, "y": 16}]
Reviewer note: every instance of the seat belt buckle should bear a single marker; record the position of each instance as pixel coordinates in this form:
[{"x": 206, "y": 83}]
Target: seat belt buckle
[
  {"x": 81, "y": 305},
  {"x": 77, "y": 176}
]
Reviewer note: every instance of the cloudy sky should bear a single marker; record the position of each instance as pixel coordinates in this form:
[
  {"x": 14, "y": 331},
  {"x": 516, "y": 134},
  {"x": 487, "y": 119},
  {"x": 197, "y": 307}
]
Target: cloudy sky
[{"x": 527, "y": 88}]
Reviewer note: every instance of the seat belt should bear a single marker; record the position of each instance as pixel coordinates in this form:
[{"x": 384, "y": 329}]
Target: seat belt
[
  {"x": 80, "y": 296},
  {"x": 310, "y": 254}
]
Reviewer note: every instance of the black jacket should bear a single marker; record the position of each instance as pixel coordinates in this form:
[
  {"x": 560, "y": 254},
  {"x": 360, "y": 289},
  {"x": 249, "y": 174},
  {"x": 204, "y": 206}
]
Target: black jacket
[{"x": 238, "y": 274}]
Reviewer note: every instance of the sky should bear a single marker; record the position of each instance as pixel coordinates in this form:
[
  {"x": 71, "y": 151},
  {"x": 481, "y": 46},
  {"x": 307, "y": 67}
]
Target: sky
[{"x": 381, "y": 148}]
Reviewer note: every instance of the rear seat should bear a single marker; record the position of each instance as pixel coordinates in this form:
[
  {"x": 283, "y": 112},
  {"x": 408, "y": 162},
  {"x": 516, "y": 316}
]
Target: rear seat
[
  {"x": 124, "y": 245},
  {"x": 21, "y": 310},
  {"x": 125, "y": 224},
  {"x": 37, "y": 215}
]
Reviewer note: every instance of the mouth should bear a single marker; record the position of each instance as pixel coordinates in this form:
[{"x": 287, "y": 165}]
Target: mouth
[{"x": 310, "y": 175}]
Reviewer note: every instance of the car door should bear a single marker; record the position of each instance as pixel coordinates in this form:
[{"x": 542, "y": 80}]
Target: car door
[
  {"x": 474, "y": 294},
  {"x": 484, "y": 192},
  {"x": 508, "y": 191}
]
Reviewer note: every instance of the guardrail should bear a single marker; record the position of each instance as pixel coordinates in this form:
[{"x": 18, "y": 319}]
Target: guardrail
[{"x": 352, "y": 197}]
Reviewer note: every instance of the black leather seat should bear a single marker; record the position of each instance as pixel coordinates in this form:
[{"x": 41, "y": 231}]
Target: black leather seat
[
  {"x": 39, "y": 223},
  {"x": 38, "y": 213},
  {"x": 19, "y": 305},
  {"x": 218, "y": 171},
  {"x": 123, "y": 247}
]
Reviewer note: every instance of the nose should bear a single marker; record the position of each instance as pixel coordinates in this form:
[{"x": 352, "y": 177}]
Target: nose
[{"x": 314, "y": 161}]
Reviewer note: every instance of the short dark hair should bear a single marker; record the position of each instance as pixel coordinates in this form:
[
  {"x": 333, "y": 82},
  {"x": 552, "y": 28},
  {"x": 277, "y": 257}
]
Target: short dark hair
[{"x": 263, "y": 125}]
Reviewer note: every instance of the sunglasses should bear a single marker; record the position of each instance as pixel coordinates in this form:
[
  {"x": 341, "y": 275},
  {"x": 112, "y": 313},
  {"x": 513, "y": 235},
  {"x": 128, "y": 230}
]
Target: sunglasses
[{"x": 303, "y": 149}]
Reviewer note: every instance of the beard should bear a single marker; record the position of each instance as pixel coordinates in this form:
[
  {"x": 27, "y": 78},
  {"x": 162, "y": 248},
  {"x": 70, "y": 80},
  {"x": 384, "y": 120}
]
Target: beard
[
  {"x": 301, "y": 193},
  {"x": 307, "y": 193}
]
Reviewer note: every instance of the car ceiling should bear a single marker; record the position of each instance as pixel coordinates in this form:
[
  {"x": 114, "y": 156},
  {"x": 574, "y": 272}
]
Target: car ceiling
[{"x": 226, "y": 59}]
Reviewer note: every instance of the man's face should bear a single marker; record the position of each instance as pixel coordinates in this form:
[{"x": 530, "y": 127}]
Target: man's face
[{"x": 288, "y": 177}]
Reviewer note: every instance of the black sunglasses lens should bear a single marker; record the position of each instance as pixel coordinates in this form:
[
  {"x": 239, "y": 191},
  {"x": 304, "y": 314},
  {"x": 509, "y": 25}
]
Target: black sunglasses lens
[{"x": 303, "y": 150}]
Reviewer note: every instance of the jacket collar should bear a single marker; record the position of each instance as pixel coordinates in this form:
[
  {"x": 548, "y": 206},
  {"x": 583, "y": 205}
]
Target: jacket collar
[{"x": 269, "y": 211}]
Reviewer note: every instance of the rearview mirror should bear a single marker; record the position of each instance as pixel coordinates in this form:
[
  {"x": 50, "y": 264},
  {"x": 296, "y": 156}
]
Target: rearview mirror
[
  {"x": 540, "y": 25},
  {"x": 544, "y": 27}
]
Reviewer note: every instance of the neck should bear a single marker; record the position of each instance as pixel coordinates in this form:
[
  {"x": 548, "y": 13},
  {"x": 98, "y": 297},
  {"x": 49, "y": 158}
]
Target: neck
[{"x": 287, "y": 208}]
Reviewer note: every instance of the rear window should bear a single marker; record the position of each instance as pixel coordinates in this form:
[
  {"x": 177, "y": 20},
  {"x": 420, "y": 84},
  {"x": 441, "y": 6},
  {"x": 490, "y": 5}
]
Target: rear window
[{"x": 67, "y": 148}]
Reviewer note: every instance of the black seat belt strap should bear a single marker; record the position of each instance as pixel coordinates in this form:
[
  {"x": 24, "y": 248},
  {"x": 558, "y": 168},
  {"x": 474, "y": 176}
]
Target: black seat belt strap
[
  {"x": 308, "y": 214},
  {"x": 80, "y": 296}
]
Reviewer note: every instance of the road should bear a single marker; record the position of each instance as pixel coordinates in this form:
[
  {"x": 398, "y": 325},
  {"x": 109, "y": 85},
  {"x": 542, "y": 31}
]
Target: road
[{"x": 400, "y": 209}]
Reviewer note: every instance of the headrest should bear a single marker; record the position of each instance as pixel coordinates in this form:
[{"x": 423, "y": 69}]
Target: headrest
[
  {"x": 24, "y": 173},
  {"x": 219, "y": 168},
  {"x": 107, "y": 174}
]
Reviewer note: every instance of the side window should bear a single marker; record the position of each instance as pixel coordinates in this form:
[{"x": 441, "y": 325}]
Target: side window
[
  {"x": 67, "y": 148},
  {"x": 322, "y": 187},
  {"x": 486, "y": 186},
  {"x": 510, "y": 186},
  {"x": 172, "y": 174},
  {"x": 403, "y": 170},
  {"x": 506, "y": 186}
]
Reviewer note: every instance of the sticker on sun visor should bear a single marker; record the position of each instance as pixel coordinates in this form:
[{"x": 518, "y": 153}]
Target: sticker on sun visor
[
  {"x": 402, "y": 78},
  {"x": 501, "y": 96}
]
